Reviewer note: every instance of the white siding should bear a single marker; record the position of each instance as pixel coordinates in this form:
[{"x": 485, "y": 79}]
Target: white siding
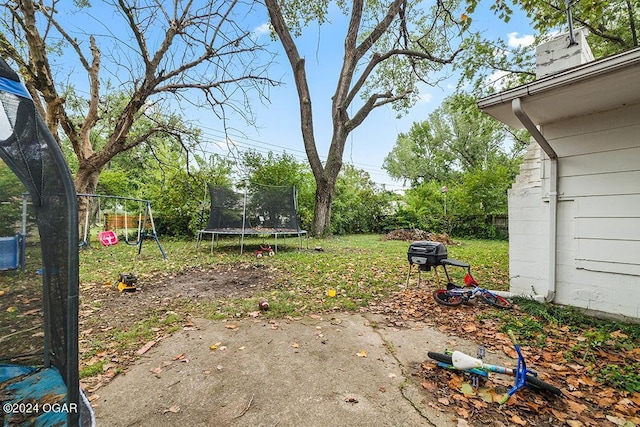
[
  {"x": 598, "y": 258},
  {"x": 528, "y": 235}
]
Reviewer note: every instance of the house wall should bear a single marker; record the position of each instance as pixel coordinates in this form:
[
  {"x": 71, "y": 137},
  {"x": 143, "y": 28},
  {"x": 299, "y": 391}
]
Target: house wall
[
  {"x": 598, "y": 243},
  {"x": 529, "y": 227}
]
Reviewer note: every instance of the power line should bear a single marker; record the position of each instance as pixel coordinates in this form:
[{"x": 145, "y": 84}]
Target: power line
[{"x": 251, "y": 143}]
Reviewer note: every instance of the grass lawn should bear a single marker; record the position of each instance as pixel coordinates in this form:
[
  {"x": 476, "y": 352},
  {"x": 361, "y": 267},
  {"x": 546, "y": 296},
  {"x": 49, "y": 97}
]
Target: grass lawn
[
  {"x": 367, "y": 273},
  {"x": 360, "y": 268}
]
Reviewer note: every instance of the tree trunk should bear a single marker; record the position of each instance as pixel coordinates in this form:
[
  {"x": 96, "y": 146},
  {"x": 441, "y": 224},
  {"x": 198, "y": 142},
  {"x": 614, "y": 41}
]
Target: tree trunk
[
  {"x": 86, "y": 181},
  {"x": 322, "y": 214}
]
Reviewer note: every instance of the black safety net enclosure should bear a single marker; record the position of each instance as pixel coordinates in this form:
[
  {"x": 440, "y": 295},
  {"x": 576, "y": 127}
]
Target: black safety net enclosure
[
  {"x": 39, "y": 382},
  {"x": 257, "y": 209}
]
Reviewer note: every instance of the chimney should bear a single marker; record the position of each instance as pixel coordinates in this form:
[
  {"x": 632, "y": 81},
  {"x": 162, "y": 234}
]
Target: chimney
[{"x": 562, "y": 52}]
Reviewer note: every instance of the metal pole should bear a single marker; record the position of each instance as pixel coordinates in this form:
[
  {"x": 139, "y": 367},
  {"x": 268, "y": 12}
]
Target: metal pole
[
  {"x": 572, "y": 41},
  {"x": 23, "y": 232}
]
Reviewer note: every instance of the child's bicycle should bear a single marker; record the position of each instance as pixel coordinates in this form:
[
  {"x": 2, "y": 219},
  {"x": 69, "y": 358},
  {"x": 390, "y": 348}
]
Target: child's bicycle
[
  {"x": 477, "y": 368},
  {"x": 455, "y": 295}
]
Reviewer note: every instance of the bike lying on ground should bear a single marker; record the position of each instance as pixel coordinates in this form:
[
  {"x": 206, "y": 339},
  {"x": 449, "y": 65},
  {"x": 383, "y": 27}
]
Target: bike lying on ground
[
  {"x": 455, "y": 295},
  {"x": 476, "y": 367}
]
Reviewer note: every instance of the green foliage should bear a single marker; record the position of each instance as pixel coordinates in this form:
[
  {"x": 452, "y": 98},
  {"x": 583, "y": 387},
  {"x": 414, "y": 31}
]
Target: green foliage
[
  {"x": 612, "y": 29},
  {"x": 284, "y": 169},
  {"x": 272, "y": 169},
  {"x": 180, "y": 197},
  {"x": 461, "y": 148},
  {"x": 422, "y": 208},
  {"x": 358, "y": 205},
  {"x": 11, "y": 190},
  {"x": 625, "y": 377}
]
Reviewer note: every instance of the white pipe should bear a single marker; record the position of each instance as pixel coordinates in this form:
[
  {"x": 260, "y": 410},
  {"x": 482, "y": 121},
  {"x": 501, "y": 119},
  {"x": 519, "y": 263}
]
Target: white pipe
[{"x": 526, "y": 121}]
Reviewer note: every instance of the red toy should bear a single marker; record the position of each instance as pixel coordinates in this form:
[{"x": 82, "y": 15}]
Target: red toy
[{"x": 265, "y": 250}]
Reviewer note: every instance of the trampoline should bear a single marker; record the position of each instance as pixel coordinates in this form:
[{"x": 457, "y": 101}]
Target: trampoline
[
  {"x": 260, "y": 210},
  {"x": 39, "y": 378}
]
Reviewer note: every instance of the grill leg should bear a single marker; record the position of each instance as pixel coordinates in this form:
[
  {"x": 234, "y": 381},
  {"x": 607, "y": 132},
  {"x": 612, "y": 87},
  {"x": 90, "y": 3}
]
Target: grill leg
[
  {"x": 409, "y": 274},
  {"x": 435, "y": 273}
]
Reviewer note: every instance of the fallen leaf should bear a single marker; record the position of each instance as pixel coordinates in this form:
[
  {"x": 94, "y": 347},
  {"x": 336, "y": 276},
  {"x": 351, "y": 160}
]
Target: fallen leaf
[
  {"x": 444, "y": 401},
  {"x": 486, "y": 394},
  {"x": 231, "y": 325},
  {"x": 516, "y": 419},
  {"x": 467, "y": 390},
  {"x": 559, "y": 415},
  {"x": 470, "y": 328},
  {"x": 362, "y": 353},
  {"x": 142, "y": 350},
  {"x": 619, "y": 334},
  {"x": 179, "y": 356},
  {"x": 429, "y": 386},
  {"x": 576, "y": 407},
  {"x": 510, "y": 351},
  {"x": 616, "y": 420},
  {"x": 295, "y": 345},
  {"x": 173, "y": 410},
  {"x": 575, "y": 423},
  {"x": 464, "y": 413}
]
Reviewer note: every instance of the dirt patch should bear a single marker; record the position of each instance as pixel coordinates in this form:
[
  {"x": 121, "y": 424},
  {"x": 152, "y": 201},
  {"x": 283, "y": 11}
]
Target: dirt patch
[
  {"x": 104, "y": 306},
  {"x": 223, "y": 281}
]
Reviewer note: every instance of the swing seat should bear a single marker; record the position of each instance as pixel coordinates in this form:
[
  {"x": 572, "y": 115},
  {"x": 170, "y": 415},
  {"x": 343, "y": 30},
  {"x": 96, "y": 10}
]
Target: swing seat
[{"x": 108, "y": 238}]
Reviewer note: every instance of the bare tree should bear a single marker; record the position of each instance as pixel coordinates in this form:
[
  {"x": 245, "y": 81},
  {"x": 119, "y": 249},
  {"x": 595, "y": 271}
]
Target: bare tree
[
  {"x": 390, "y": 48},
  {"x": 159, "y": 54}
]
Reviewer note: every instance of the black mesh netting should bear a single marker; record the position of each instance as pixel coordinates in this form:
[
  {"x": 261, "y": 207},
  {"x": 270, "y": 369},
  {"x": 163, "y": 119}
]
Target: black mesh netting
[
  {"x": 260, "y": 208},
  {"x": 28, "y": 149}
]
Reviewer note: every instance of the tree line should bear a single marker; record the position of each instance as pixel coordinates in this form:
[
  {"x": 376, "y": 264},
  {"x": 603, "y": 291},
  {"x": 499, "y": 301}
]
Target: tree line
[{"x": 111, "y": 79}]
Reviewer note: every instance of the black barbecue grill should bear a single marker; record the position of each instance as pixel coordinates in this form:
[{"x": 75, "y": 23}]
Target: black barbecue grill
[{"x": 426, "y": 254}]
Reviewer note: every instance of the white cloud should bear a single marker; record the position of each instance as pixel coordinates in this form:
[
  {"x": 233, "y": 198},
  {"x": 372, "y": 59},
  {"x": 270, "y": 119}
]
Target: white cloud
[
  {"x": 520, "y": 40},
  {"x": 497, "y": 80},
  {"x": 425, "y": 98},
  {"x": 262, "y": 30}
]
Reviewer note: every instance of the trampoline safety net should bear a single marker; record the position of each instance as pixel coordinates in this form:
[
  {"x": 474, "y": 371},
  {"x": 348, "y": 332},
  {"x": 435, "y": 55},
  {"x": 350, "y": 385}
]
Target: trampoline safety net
[
  {"x": 260, "y": 209},
  {"x": 31, "y": 154}
]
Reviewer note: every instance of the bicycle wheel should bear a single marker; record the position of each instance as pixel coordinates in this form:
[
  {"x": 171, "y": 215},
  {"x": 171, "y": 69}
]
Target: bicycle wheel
[
  {"x": 495, "y": 300},
  {"x": 444, "y": 358},
  {"x": 537, "y": 383},
  {"x": 444, "y": 297}
]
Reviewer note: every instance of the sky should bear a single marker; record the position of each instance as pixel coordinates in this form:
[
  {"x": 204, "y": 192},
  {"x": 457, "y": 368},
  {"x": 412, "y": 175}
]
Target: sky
[{"x": 278, "y": 125}]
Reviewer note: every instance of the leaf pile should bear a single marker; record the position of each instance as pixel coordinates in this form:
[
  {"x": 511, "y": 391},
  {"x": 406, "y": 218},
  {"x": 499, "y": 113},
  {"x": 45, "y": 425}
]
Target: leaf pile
[
  {"x": 577, "y": 357},
  {"x": 413, "y": 235}
]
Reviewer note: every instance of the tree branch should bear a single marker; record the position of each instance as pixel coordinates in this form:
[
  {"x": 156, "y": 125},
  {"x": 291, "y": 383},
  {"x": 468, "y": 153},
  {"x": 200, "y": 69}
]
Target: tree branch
[{"x": 300, "y": 77}]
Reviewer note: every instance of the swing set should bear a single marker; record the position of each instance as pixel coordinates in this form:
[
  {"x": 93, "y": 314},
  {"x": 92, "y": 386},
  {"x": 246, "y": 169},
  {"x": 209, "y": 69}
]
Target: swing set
[{"x": 109, "y": 236}]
